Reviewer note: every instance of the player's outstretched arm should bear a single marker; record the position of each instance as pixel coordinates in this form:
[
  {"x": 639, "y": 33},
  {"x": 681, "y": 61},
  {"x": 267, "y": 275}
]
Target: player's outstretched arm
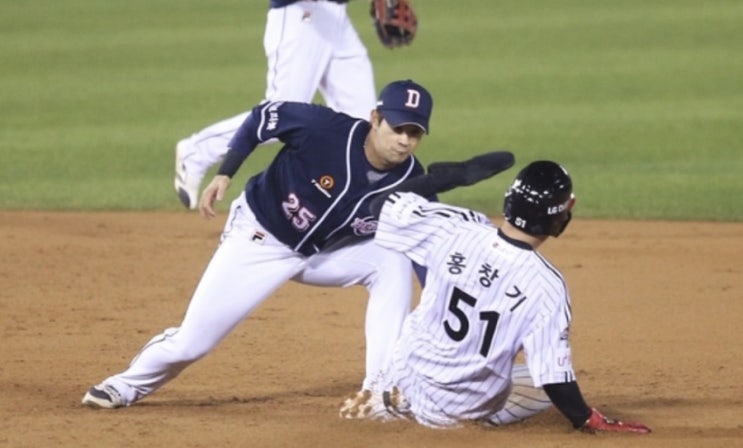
[
  {"x": 597, "y": 422},
  {"x": 450, "y": 175},
  {"x": 213, "y": 192},
  {"x": 568, "y": 399},
  {"x": 445, "y": 176}
]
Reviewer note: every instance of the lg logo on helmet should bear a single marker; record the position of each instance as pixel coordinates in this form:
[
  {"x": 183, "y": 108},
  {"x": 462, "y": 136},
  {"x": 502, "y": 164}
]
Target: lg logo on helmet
[
  {"x": 557, "y": 209},
  {"x": 567, "y": 205}
]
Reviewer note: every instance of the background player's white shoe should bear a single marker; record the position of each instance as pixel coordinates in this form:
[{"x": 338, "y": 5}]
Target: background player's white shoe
[
  {"x": 187, "y": 182},
  {"x": 103, "y": 396}
]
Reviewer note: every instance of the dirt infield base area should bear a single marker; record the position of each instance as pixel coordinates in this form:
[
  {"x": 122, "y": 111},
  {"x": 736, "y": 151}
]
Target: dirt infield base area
[{"x": 656, "y": 338}]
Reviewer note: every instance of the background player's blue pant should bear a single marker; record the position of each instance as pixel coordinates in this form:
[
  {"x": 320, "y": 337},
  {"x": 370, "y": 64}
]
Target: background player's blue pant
[{"x": 420, "y": 273}]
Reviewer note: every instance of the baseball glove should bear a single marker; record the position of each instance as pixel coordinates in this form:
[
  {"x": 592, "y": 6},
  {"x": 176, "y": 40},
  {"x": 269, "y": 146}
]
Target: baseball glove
[{"x": 394, "y": 21}]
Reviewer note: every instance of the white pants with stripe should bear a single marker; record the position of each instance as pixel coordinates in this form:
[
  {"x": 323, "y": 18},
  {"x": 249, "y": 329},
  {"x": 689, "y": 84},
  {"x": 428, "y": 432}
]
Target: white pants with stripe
[{"x": 247, "y": 267}]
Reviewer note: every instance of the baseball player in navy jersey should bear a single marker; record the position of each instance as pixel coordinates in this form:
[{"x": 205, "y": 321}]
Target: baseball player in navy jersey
[
  {"x": 304, "y": 218},
  {"x": 310, "y": 45},
  {"x": 489, "y": 295}
]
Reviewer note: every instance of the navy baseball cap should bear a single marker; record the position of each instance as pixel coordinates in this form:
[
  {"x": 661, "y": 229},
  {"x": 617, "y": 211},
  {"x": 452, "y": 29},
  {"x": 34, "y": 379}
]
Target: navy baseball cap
[{"x": 405, "y": 102}]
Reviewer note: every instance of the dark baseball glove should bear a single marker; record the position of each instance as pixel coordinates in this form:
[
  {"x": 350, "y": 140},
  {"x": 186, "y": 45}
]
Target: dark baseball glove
[{"x": 394, "y": 21}]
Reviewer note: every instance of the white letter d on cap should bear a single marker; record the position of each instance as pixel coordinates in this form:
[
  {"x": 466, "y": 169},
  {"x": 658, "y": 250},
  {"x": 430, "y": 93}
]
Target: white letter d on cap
[{"x": 414, "y": 98}]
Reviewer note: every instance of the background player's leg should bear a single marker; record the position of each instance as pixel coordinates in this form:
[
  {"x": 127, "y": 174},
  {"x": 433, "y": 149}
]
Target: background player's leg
[
  {"x": 388, "y": 277},
  {"x": 296, "y": 54},
  {"x": 240, "y": 276},
  {"x": 194, "y": 155},
  {"x": 297, "y": 50},
  {"x": 524, "y": 401}
]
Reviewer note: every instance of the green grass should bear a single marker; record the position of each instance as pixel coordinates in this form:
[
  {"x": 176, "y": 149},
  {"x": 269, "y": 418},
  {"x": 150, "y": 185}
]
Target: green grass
[{"x": 642, "y": 101}]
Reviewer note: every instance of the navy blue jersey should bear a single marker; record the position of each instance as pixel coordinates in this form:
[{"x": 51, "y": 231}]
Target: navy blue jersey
[{"x": 318, "y": 188}]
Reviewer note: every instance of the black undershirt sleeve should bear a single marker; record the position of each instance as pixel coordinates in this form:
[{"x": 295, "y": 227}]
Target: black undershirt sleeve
[
  {"x": 424, "y": 185},
  {"x": 231, "y": 163},
  {"x": 567, "y": 398},
  {"x": 242, "y": 144}
]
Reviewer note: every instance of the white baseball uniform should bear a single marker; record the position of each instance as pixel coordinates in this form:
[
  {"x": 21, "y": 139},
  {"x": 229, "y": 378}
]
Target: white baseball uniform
[
  {"x": 310, "y": 46},
  {"x": 487, "y": 297}
]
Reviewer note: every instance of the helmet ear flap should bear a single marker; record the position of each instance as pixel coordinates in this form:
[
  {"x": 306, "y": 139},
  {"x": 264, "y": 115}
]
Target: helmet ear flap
[{"x": 560, "y": 224}]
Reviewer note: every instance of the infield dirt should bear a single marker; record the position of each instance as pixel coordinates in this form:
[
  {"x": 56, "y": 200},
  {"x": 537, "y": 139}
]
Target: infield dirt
[{"x": 656, "y": 338}]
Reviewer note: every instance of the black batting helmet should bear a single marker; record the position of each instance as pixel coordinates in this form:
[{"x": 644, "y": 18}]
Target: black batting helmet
[{"x": 540, "y": 200}]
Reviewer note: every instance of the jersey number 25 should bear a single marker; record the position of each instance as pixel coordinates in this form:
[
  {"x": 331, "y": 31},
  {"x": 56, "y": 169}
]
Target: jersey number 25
[{"x": 300, "y": 217}]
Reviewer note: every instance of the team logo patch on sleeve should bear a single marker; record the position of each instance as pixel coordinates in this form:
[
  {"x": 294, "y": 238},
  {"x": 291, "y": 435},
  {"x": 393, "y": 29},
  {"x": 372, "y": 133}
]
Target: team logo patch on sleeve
[{"x": 273, "y": 116}]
